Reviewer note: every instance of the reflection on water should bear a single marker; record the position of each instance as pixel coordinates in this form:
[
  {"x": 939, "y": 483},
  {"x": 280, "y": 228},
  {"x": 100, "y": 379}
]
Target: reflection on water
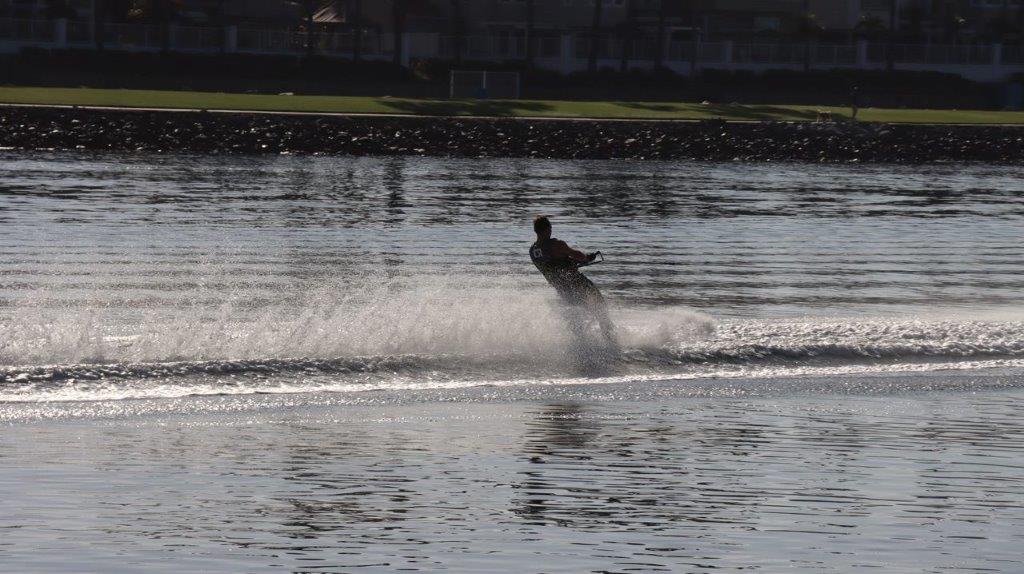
[
  {"x": 924, "y": 483},
  {"x": 736, "y": 238}
]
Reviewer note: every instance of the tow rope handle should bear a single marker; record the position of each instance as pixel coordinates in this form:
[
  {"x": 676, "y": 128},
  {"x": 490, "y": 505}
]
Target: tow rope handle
[{"x": 598, "y": 258}]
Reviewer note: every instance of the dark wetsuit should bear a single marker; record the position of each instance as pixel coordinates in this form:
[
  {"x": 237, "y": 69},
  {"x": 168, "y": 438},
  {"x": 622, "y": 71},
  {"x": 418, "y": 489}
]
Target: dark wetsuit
[{"x": 561, "y": 273}]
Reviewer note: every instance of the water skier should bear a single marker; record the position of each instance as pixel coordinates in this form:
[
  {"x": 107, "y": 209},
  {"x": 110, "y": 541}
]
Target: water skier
[{"x": 560, "y": 265}]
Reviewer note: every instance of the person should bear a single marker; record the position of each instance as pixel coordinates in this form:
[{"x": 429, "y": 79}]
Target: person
[{"x": 560, "y": 264}]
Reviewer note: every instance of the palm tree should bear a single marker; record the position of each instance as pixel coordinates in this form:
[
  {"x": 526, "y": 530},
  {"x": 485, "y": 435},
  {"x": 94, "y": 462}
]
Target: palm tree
[
  {"x": 357, "y": 29},
  {"x": 458, "y": 29},
  {"x": 890, "y": 51},
  {"x": 808, "y": 29},
  {"x": 806, "y": 24},
  {"x": 55, "y": 9},
  {"x": 98, "y": 20},
  {"x": 400, "y": 10},
  {"x": 222, "y": 19},
  {"x": 628, "y": 33},
  {"x": 530, "y": 17},
  {"x": 659, "y": 47},
  {"x": 595, "y": 30},
  {"x": 695, "y": 31},
  {"x": 397, "y": 29},
  {"x": 162, "y": 15},
  {"x": 915, "y": 20},
  {"x": 309, "y": 10}
]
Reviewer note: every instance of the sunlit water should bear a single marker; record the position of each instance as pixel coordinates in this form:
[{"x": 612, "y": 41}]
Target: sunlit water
[{"x": 338, "y": 364}]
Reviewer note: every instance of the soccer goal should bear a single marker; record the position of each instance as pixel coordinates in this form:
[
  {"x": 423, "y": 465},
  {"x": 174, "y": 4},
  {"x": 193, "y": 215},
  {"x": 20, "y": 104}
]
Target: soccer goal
[{"x": 484, "y": 85}]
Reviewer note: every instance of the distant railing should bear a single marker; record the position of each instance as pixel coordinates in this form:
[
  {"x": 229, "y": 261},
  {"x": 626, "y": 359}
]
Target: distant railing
[
  {"x": 134, "y": 36},
  {"x": 27, "y": 30},
  {"x": 482, "y": 47},
  {"x": 707, "y": 52},
  {"x": 499, "y": 48},
  {"x": 1013, "y": 55},
  {"x": 265, "y": 41},
  {"x": 603, "y": 47},
  {"x": 834, "y": 54},
  {"x": 79, "y": 33},
  {"x": 197, "y": 38},
  {"x": 268, "y": 41},
  {"x": 769, "y": 53},
  {"x": 965, "y": 54}
]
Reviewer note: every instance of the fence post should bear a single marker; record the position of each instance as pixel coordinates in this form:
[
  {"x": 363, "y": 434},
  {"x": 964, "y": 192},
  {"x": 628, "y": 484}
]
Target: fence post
[
  {"x": 727, "y": 53},
  {"x": 231, "y": 39},
  {"x": 862, "y": 54},
  {"x": 997, "y": 54},
  {"x": 60, "y": 33}
]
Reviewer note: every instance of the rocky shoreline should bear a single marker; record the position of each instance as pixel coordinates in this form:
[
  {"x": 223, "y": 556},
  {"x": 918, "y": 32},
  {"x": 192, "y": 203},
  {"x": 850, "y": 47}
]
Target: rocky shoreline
[{"x": 25, "y": 127}]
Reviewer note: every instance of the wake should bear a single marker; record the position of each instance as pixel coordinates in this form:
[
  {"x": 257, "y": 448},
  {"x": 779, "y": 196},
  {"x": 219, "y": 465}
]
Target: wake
[{"x": 428, "y": 331}]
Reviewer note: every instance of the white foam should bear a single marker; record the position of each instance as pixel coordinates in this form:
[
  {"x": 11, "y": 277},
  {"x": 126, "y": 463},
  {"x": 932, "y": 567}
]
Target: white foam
[
  {"x": 105, "y": 390},
  {"x": 372, "y": 316},
  {"x": 440, "y": 332}
]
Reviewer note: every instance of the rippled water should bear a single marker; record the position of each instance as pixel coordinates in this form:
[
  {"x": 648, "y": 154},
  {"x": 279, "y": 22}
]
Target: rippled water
[
  {"x": 334, "y": 364},
  {"x": 813, "y": 484}
]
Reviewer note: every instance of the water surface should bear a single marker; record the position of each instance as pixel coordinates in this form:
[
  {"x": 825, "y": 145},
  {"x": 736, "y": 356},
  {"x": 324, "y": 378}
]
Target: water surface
[{"x": 348, "y": 364}]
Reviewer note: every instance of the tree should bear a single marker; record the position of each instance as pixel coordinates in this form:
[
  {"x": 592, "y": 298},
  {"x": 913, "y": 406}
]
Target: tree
[
  {"x": 158, "y": 13},
  {"x": 99, "y": 9},
  {"x": 808, "y": 29},
  {"x": 954, "y": 26},
  {"x": 659, "y": 45},
  {"x": 595, "y": 31},
  {"x": 870, "y": 27},
  {"x": 695, "y": 31},
  {"x": 1006, "y": 28},
  {"x": 309, "y": 8},
  {"x": 357, "y": 29},
  {"x": 400, "y": 10},
  {"x": 163, "y": 19},
  {"x": 222, "y": 19},
  {"x": 914, "y": 16},
  {"x": 530, "y": 21},
  {"x": 397, "y": 29},
  {"x": 676, "y": 11},
  {"x": 627, "y": 32},
  {"x": 458, "y": 29},
  {"x": 55, "y": 9},
  {"x": 890, "y": 51}
]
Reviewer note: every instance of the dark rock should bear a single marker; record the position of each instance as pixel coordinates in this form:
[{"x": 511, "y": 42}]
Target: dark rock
[{"x": 716, "y": 140}]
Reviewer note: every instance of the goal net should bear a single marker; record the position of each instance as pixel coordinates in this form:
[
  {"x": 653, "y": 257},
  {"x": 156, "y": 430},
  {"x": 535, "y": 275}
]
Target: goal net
[{"x": 484, "y": 85}]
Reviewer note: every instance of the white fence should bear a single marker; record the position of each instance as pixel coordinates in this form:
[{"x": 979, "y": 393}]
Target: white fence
[{"x": 565, "y": 53}]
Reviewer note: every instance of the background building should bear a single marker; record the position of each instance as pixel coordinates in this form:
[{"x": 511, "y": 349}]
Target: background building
[{"x": 979, "y": 39}]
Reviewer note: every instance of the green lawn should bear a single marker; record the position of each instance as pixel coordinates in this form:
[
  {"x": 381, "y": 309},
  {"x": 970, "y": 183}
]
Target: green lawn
[{"x": 510, "y": 108}]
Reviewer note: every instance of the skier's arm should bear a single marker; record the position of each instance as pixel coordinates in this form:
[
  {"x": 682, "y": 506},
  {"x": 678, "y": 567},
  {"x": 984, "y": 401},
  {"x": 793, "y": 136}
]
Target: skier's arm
[{"x": 561, "y": 249}]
